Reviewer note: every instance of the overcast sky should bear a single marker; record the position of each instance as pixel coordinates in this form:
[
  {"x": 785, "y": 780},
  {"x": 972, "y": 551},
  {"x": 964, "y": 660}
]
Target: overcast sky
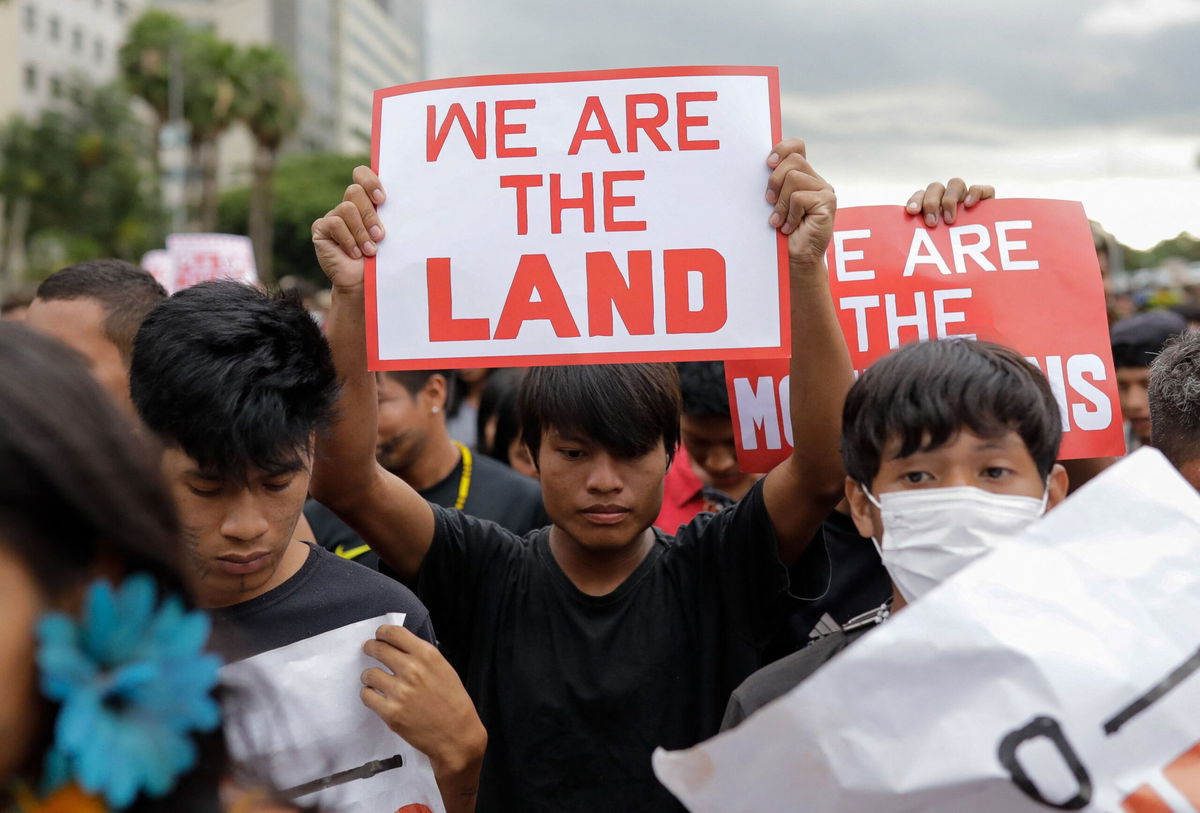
[{"x": 1093, "y": 100}]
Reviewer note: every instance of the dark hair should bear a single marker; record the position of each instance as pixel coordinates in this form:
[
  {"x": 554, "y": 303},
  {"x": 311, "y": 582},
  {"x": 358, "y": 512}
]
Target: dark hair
[
  {"x": 1175, "y": 399},
  {"x": 414, "y": 380},
  {"x": 925, "y": 393},
  {"x": 1139, "y": 338},
  {"x": 125, "y": 291},
  {"x": 1190, "y": 311},
  {"x": 15, "y": 300},
  {"x": 625, "y": 408},
  {"x": 78, "y": 488},
  {"x": 233, "y": 377},
  {"x": 76, "y": 484},
  {"x": 702, "y": 384},
  {"x": 499, "y": 399}
]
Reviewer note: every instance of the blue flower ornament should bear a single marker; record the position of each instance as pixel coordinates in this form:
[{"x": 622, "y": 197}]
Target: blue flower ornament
[{"x": 133, "y": 682}]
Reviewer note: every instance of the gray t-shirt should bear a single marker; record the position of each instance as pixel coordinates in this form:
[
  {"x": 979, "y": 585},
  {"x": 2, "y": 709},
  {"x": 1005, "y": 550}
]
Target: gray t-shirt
[
  {"x": 325, "y": 594},
  {"x": 777, "y": 679}
]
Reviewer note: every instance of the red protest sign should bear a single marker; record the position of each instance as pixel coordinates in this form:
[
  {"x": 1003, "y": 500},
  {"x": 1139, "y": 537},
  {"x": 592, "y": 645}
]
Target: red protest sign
[
  {"x": 575, "y": 218},
  {"x": 1018, "y": 272}
]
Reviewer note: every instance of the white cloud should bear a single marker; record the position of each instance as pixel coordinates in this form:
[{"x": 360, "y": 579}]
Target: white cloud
[{"x": 1140, "y": 17}]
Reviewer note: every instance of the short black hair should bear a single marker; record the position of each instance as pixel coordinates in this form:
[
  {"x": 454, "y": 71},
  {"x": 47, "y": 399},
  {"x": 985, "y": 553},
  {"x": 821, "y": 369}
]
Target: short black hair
[
  {"x": 414, "y": 380},
  {"x": 499, "y": 400},
  {"x": 234, "y": 377},
  {"x": 125, "y": 291},
  {"x": 625, "y": 408},
  {"x": 925, "y": 393},
  {"x": 702, "y": 384},
  {"x": 1175, "y": 399},
  {"x": 1137, "y": 339}
]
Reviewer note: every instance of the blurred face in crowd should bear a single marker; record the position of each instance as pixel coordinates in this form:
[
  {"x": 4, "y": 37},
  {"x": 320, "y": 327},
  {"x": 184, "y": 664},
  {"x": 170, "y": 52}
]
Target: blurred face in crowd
[
  {"x": 79, "y": 324},
  {"x": 601, "y": 501},
  {"x": 236, "y": 533},
  {"x": 404, "y": 421},
  {"x": 710, "y": 445},
  {"x": 1132, "y": 386},
  {"x": 1000, "y": 465},
  {"x": 20, "y": 607},
  {"x": 519, "y": 458}
]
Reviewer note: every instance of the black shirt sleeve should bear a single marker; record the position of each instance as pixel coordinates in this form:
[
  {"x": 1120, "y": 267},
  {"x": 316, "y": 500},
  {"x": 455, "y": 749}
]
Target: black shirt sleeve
[
  {"x": 737, "y": 555},
  {"x": 452, "y": 580}
]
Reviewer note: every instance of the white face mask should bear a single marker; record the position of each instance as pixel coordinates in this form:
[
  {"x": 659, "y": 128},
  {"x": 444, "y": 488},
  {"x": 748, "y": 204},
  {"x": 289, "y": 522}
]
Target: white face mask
[{"x": 932, "y": 533}]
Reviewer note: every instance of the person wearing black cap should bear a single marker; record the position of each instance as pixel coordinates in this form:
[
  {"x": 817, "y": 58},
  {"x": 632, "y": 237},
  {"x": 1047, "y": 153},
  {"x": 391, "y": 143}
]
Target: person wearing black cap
[{"x": 1135, "y": 343}]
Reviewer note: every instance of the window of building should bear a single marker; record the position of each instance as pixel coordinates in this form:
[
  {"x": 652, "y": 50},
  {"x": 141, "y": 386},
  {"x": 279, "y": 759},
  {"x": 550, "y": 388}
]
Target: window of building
[
  {"x": 31, "y": 78},
  {"x": 121, "y": 6},
  {"x": 77, "y": 40},
  {"x": 98, "y": 50},
  {"x": 30, "y": 18},
  {"x": 55, "y": 29},
  {"x": 56, "y": 87}
]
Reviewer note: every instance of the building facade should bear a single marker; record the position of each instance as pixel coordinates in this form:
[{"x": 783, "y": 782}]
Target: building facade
[
  {"x": 45, "y": 45},
  {"x": 342, "y": 51}
]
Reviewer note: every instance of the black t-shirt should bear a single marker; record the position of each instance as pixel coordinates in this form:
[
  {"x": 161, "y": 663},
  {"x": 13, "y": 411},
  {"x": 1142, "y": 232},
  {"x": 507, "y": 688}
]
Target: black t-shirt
[
  {"x": 495, "y": 492},
  {"x": 575, "y": 690},
  {"x": 325, "y": 594},
  {"x": 839, "y": 575}
]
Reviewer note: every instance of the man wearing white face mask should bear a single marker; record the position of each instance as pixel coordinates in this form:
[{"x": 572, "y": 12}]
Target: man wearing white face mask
[{"x": 949, "y": 449}]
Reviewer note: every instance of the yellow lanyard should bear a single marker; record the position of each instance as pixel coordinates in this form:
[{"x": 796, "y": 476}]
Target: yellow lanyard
[
  {"x": 464, "y": 482},
  {"x": 464, "y": 488}
]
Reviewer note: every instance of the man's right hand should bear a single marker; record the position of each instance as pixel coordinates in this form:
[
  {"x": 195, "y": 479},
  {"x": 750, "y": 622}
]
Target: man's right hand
[{"x": 350, "y": 231}]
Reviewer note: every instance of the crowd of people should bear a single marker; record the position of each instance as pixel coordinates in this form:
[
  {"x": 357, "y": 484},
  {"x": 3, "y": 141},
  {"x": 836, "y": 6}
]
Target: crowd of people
[{"x": 585, "y": 573}]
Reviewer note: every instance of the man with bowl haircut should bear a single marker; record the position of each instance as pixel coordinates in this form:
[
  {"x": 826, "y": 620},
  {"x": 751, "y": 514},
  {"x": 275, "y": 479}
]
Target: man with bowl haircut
[{"x": 588, "y": 643}]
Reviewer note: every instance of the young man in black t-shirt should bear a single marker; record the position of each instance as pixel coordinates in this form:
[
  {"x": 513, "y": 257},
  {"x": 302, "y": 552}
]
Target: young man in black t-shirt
[
  {"x": 587, "y": 644},
  {"x": 949, "y": 448},
  {"x": 414, "y": 444},
  {"x": 235, "y": 385}
]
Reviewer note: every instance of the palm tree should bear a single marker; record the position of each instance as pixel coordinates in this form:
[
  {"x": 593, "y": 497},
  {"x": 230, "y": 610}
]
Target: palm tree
[
  {"x": 270, "y": 105},
  {"x": 210, "y": 92},
  {"x": 155, "y": 40}
]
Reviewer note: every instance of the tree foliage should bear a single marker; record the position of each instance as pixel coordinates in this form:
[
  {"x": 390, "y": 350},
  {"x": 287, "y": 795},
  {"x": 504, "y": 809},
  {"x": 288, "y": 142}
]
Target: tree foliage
[
  {"x": 85, "y": 174},
  {"x": 270, "y": 105},
  {"x": 1182, "y": 247},
  {"x": 306, "y": 186}
]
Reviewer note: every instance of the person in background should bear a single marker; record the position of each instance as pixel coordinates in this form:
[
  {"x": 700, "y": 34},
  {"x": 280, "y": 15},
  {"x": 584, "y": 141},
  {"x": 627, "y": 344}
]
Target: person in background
[
  {"x": 95, "y": 308},
  {"x": 236, "y": 385},
  {"x": 704, "y": 475},
  {"x": 414, "y": 444},
  {"x": 499, "y": 426},
  {"x": 1174, "y": 395},
  {"x": 463, "y": 408},
  {"x": 1136, "y": 341}
]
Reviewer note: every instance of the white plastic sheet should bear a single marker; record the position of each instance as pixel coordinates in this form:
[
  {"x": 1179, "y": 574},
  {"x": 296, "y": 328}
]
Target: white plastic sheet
[
  {"x": 298, "y": 714},
  {"x": 1060, "y": 672}
]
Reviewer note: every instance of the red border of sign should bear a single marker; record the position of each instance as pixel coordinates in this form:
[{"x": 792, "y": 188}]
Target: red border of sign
[{"x": 627, "y": 356}]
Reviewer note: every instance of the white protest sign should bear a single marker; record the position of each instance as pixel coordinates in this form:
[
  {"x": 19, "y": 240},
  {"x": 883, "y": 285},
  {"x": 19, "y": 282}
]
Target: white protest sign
[
  {"x": 1059, "y": 672},
  {"x": 199, "y": 258},
  {"x": 579, "y": 217},
  {"x": 297, "y": 712}
]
